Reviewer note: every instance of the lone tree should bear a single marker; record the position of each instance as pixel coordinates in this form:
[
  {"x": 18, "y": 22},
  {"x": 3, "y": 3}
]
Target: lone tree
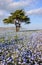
[{"x": 17, "y": 18}]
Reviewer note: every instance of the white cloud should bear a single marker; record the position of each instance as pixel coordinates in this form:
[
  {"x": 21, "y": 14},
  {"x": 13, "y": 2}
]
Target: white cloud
[
  {"x": 20, "y": 3},
  {"x": 34, "y": 12},
  {"x": 3, "y": 14},
  {"x": 7, "y": 6},
  {"x": 11, "y": 5},
  {"x": 5, "y": 1}
]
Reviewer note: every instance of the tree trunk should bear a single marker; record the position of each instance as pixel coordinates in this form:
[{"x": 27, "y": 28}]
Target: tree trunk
[
  {"x": 17, "y": 24},
  {"x": 17, "y": 29}
]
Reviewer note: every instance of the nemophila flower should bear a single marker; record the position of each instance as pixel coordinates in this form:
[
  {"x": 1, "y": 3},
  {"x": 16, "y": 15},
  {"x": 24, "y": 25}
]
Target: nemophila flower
[
  {"x": 24, "y": 60},
  {"x": 19, "y": 63},
  {"x": 10, "y": 52}
]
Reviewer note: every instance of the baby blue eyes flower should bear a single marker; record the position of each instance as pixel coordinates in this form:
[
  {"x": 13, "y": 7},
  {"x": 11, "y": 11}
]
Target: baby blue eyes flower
[{"x": 11, "y": 52}]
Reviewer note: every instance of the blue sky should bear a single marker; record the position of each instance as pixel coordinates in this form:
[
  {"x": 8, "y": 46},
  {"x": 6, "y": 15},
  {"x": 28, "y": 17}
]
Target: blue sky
[{"x": 33, "y": 9}]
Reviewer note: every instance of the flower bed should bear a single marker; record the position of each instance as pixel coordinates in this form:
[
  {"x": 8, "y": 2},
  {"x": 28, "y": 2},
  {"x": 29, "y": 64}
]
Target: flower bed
[{"x": 13, "y": 53}]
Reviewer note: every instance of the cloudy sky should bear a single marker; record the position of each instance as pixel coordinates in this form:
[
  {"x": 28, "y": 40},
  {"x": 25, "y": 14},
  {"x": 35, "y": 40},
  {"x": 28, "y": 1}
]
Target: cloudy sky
[{"x": 33, "y": 9}]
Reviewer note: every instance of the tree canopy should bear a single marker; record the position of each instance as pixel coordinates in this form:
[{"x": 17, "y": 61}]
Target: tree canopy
[{"x": 18, "y": 15}]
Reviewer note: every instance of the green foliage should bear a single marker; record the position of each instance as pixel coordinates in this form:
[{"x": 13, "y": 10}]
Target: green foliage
[
  {"x": 2, "y": 39},
  {"x": 8, "y": 20},
  {"x": 10, "y": 63},
  {"x": 16, "y": 37},
  {"x": 18, "y": 15}
]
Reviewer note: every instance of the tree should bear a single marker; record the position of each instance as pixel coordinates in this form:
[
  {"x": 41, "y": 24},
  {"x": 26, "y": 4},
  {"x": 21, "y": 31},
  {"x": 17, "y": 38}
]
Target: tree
[{"x": 17, "y": 18}]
